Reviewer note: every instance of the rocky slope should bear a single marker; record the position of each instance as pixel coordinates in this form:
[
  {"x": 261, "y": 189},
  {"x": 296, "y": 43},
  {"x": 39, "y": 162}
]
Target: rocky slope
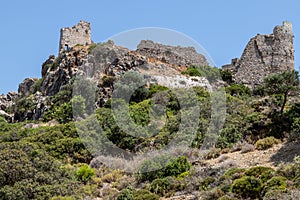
[{"x": 157, "y": 63}]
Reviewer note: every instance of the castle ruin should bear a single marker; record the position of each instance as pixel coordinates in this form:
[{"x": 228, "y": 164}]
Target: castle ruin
[
  {"x": 80, "y": 34},
  {"x": 264, "y": 55}
]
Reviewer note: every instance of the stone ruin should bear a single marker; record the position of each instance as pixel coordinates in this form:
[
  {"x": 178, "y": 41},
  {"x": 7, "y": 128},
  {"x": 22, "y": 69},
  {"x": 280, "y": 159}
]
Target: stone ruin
[
  {"x": 264, "y": 55},
  {"x": 80, "y": 34}
]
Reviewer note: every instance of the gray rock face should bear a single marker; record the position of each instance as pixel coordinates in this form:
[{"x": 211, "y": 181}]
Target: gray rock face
[
  {"x": 7, "y": 101},
  {"x": 80, "y": 34},
  {"x": 264, "y": 55},
  {"x": 174, "y": 55},
  {"x": 25, "y": 88},
  {"x": 57, "y": 72}
]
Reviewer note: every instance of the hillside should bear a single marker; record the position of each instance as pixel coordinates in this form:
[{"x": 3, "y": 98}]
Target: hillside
[{"x": 107, "y": 122}]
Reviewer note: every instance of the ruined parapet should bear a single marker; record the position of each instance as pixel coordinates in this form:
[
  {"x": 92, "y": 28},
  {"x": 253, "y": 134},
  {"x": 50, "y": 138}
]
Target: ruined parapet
[
  {"x": 264, "y": 55},
  {"x": 80, "y": 34},
  {"x": 174, "y": 55}
]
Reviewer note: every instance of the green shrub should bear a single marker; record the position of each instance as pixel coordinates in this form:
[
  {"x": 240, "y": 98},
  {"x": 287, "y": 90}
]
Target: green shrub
[
  {"x": 192, "y": 71},
  {"x": 161, "y": 186},
  {"x": 247, "y": 187},
  {"x": 261, "y": 172},
  {"x": 233, "y": 173},
  {"x": 144, "y": 195},
  {"x": 156, "y": 89},
  {"x": 2, "y": 120},
  {"x": 238, "y": 90},
  {"x": 125, "y": 194},
  {"x": 177, "y": 167},
  {"x": 107, "y": 81},
  {"x": 295, "y": 132},
  {"x": 275, "y": 183},
  {"x": 205, "y": 183},
  {"x": 227, "y": 76},
  {"x": 266, "y": 143},
  {"x": 162, "y": 167},
  {"x": 211, "y": 73},
  {"x": 85, "y": 173}
]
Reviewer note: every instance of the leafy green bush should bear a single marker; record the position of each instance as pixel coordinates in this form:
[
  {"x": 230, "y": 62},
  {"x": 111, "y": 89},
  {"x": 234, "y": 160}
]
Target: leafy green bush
[
  {"x": 192, "y": 71},
  {"x": 247, "y": 187},
  {"x": 144, "y": 195},
  {"x": 177, "y": 167},
  {"x": 261, "y": 172},
  {"x": 163, "y": 168},
  {"x": 295, "y": 132},
  {"x": 275, "y": 183},
  {"x": 161, "y": 186},
  {"x": 266, "y": 143},
  {"x": 233, "y": 173},
  {"x": 156, "y": 89},
  {"x": 85, "y": 173},
  {"x": 206, "y": 182},
  {"x": 227, "y": 76},
  {"x": 125, "y": 194},
  {"x": 238, "y": 90},
  {"x": 211, "y": 73},
  {"x": 2, "y": 120}
]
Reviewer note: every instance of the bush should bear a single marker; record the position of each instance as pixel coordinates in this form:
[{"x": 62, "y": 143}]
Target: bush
[
  {"x": 211, "y": 73},
  {"x": 153, "y": 169},
  {"x": 125, "y": 194},
  {"x": 233, "y": 173},
  {"x": 275, "y": 183},
  {"x": 192, "y": 71},
  {"x": 205, "y": 183},
  {"x": 2, "y": 120},
  {"x": 161, "y": 186},
  {"x": 295, "y": 132},
  {"x": 144, "y": 195},
  {"x": 227, "y": 76},
  {"x": 85, "y": 173},
  {"x": 112, "y": 176},
  {"x": 247, "y": 187},
  {"x": 266, "y": 143},
  {"x": 156, "y": 89},
  {"x": 238, "y": 90},
  {"x": 177, "y": 167},
  {"x": 261, "y": 172}
]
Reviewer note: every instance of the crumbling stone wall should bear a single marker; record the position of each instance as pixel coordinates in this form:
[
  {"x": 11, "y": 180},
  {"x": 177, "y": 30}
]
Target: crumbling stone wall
[
  {"x": 78, "y": 34},
  {"x": 174, "y": 55},
  {"x": 264, "y": 55}
]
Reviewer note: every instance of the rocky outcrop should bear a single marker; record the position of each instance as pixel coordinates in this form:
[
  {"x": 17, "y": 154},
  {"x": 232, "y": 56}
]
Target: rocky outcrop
[
  {"x": 105, "y": 63},
  {"x": 26, "y": 87},
  {"x": 7, "y": 101},
  {"x": 264, "y": 55},
  {"x": 57, "y": 72}
]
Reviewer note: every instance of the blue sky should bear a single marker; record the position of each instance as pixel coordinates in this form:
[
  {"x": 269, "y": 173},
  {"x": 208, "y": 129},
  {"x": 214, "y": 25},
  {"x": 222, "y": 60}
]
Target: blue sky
[{"x": 30, "y": 29}]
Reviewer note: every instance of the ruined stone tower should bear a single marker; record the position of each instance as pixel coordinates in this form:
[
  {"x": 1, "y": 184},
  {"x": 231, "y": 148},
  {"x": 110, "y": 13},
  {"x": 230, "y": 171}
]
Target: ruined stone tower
[
  {"x": 264, "y": 55},
  {"x": 78, "y": 34}
]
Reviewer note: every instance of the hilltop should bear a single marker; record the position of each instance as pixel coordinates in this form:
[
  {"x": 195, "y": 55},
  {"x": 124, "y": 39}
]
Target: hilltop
[{"x": 186, "y": 130}]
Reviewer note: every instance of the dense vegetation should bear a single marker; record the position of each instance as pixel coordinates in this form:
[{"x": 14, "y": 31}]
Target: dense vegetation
[{"x": 46, "y": 160}]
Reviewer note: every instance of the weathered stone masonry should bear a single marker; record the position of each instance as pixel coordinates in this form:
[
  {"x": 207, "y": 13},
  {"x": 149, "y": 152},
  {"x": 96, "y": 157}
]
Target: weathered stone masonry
[
  {"x": 78, "y": 34},
  {"x": 264, "y": 55}
]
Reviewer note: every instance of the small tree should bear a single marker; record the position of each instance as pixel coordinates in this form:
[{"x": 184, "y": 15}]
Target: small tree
[{"x": 282, "y": 84}]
